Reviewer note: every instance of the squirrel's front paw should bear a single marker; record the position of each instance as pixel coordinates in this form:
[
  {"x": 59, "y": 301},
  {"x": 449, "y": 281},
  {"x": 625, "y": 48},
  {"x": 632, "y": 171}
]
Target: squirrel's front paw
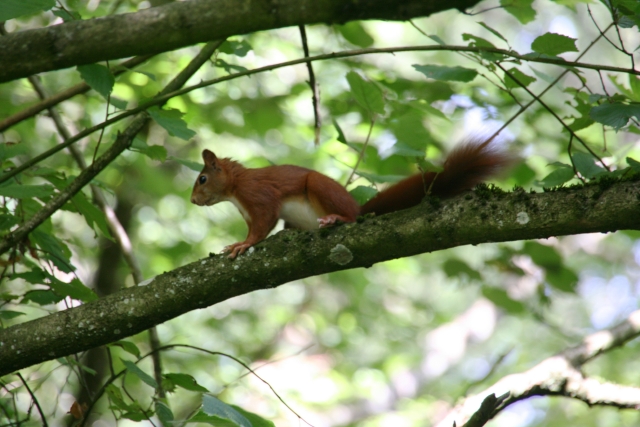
[{"x": 236, "y": 249}]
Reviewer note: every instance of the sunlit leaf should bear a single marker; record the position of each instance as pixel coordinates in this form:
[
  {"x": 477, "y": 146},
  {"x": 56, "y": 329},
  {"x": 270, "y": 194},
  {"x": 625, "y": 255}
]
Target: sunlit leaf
[
  {"x": 521, "y": 9},
  {"x": 500, "y": 298},
  {"x": 554, "y": 44},
  {"x": 458, "y": 268},
  {"x": 171, "y": 121},
  {"x": 362, "y": 194},
  {"x": 355, "y": 33},
  {"x": 367, "y": 94},
  {"x": 522, "y": 79},
  {"x": 441, "y": 72}
]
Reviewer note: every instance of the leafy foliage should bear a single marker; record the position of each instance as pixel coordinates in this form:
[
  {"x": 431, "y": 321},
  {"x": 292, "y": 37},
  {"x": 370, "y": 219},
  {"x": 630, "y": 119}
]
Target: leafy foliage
[{"x": 374, "y": 335}]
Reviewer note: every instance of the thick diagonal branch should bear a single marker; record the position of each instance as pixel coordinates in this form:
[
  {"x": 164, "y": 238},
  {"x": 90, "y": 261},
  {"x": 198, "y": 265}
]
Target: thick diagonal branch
[{"x": 472, "y": 218}]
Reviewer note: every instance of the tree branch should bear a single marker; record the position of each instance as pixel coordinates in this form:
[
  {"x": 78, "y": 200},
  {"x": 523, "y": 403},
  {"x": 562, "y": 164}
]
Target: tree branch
[
  {"x": 181, "y": 24},
  {"x": 558, "y": 376},
  {"x": 473, "y": 218}
]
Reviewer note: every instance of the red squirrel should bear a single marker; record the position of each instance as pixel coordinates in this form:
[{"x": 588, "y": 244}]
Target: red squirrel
[{"x": 306, "y": 199}]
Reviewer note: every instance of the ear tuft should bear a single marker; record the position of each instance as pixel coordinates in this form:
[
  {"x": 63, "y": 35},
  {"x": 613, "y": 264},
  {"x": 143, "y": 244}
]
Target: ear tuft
[{"x": 209, "y": 158}]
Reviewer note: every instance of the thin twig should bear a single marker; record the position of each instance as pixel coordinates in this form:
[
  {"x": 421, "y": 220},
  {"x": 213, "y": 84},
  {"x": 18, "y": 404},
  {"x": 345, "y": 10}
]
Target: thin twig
[
  {"x": 35, "y": 400},
  {"x": 364, "y": 147},
  {"x": 553, "y": 113},
  {"x": 161, "y": 99},
  {"x": 315, "y": 89}
]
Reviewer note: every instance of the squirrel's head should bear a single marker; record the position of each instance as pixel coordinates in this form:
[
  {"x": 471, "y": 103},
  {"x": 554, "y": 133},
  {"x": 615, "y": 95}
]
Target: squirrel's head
[{"x": 210, "y": 184}]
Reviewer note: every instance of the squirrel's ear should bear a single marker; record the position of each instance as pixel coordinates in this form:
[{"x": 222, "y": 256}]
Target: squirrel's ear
[{"x": 209, "y": 158}]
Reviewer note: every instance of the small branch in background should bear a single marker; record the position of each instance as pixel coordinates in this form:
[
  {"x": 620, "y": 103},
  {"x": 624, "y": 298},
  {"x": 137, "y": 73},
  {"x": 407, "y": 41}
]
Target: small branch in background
[
  {"x": 560, "y": 375},
  {"x": 554, "y": 114},
  {"x": 361, "y": 156},
  {"x": 65, "y": 94},
  {"x": 315, "y": 89},
  {"x": 35, "y": 400}
]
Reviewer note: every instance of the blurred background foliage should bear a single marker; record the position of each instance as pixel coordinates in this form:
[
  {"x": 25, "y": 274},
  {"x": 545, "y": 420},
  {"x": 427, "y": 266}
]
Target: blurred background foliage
[{"x": 395, "y": 344}]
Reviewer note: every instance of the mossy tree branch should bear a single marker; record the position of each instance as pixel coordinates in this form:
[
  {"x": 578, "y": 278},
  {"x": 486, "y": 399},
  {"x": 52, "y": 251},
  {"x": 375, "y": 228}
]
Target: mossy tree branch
[
  {"x": 473, "y": 218},
  {"x": 181, "y": 24}
]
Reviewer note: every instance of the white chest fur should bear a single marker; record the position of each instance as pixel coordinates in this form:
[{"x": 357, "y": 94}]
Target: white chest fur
[{"x": 300, "y": 214}]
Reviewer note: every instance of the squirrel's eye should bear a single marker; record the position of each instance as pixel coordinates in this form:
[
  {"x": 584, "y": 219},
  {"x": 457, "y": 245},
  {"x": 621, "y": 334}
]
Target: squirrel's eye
[{"x": 202, "y": 179}]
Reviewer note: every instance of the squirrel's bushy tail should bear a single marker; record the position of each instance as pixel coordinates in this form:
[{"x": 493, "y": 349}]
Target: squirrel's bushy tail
[{"x": 469, "y": 164}]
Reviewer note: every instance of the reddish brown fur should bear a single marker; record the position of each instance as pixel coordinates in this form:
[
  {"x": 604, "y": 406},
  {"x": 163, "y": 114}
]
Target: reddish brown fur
[
  {"x": 311, "y": 196},
  {"x": 465, "y": 167}
]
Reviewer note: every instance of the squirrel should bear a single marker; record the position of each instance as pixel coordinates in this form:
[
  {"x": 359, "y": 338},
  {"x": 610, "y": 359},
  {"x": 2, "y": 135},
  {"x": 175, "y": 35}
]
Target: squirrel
[{"x": 306, "y": 199}]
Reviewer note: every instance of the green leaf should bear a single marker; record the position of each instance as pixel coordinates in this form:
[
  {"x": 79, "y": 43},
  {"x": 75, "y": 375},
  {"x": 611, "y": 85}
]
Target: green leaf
[
  {"x": 562, "y": 278},
  {"x": 458, "y": 268},
  {"x": 94, "y": 217},
  {"x": 213, "y": 406},
  {"x": 7, "y": 221},
  {"x": 55, "y": 250},
  {"x": 9, "y": 150},
  {"x": 9, "y": 314},
  {"x": 557, "y": 177},
  {"x": 500, "y": 298},
  {"x": 164, "y": 413},
  {"x": 367, "y": 94},
  {"x": 494, "y": 32},
  {"x": 633, "y": 164},
  {"x": 520, "y": 9},
  {"x": 74, "y": 289},
  {"x": 554, "y": 44},
  {"x": 341, "y": 137},
  {"x": 185, "y": 381},
  {"x": 154, "y": 152},
  {"x": 127, "y": 346},
  {"x": 362, "y": 194},
  {"x": 67, "y": 15},
  {"x": 523, "y": 78},
  {"x": 10, "y": 9},
  {"x": 381, "y": 178},
  {"x": 616, "y": 114},
  {"x": 16, "y": 191},
  {"x": 41, "y": 297},
  {"x": 634, "y": 84},
  {"x": 135, "y": 415},
  {"x": 355, "y": 33},
  {"x": 256, "y": 420},
  {"x": 426, "y": 108},
  {"x": 439, "y": 72},
  {"x": 238, "y": 48},
  {"x": 98, "y": 77},
  {"x": 220, "y": 63},
  {"x": 171, "y": 121},
  {"x": 195, "y": 166},
  {"x": 134, "y": 369},
  {"x": 542, "y": 255},
  {"x": 585, "y": 164}
]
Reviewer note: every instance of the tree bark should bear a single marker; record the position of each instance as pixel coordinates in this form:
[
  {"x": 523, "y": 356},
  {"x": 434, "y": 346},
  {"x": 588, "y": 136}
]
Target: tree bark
[
  {"x": 181, "y": 24},
  {"x": 472, "y": 218}
]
